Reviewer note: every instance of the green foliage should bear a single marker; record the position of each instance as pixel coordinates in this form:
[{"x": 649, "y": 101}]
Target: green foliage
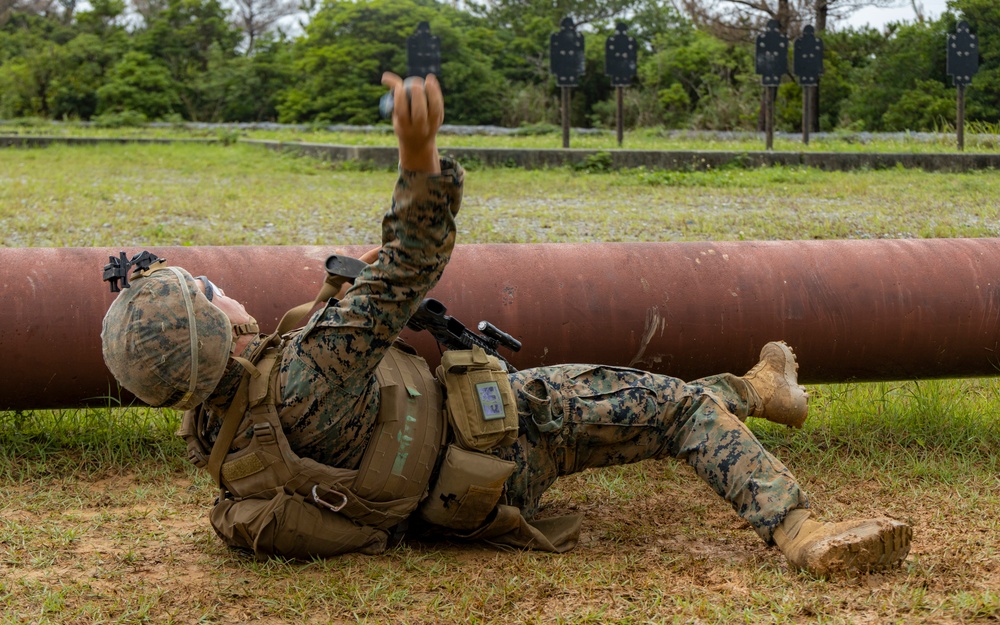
[
  {"x": 85, "y": 67},
  {"x": 701, "y": 81},
  {"x": 597, "y": 163},
  {"x": 228, "y": 136},
  {"x": 33, "y": 64},
  {"x": 912, "y": 55},
  {"x": 186, "y": 60},
  {"x": 788, "y": 107},
  {"x": 141, "y": 84},
  {"x": 984, "y": 93},
  {"x": 339, "y": 63},
  {"x": 930, "y": 105},
  {"x": 254, "y": 90},
  {"x": 531, "y": 105},
  {"x": 639, "y": 108},
  {"x": 534, "y": 130},
  {"x": 845, "y": 55},
  {"x": 675, "y": 103},
  {"x": 195, "y": 42},
  {"x": 120, "y": 119},
  {"x": 19, "y": 91},
  {"x": 50, "y": 69}
]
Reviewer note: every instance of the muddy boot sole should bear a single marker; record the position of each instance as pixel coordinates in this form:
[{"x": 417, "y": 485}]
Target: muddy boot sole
[{"x": 873, "y": 545}]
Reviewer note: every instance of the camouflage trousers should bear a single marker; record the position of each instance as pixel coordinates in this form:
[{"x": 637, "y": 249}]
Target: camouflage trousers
[{"x": 575, "y": 417}]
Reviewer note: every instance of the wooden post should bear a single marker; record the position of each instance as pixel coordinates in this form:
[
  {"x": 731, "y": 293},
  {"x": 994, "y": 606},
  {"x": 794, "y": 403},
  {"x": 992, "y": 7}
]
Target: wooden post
[
  {"x": 621, "y": 116},
  {"x": 960, "y": 124},
  {"x": 806, "y": 113},
  {"x": 769, "y": 116},
  {"x": 565, "y": 117}
]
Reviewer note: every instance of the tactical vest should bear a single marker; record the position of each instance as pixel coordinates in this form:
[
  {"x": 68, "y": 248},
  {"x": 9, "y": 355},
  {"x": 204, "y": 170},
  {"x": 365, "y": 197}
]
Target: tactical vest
[
  {"x": 275, "y": 502},
  {"x": 350, "y": 510}
]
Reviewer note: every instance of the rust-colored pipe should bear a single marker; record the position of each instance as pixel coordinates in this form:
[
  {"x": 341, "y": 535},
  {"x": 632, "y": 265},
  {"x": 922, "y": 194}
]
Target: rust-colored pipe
[{"x": 861, "y": 310}]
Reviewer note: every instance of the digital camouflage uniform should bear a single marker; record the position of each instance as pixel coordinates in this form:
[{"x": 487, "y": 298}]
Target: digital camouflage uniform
[{"x": 572, "y": 417}]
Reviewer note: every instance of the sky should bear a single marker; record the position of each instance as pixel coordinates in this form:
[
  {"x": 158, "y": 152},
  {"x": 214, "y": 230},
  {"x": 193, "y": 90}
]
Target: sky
[{"x": 877, "y": 18}]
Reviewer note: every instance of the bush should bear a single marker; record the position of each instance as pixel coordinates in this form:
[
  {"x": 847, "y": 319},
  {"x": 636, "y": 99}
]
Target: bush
[
  {"x": 120, "y": 119},
  {"x": 929, "y": 106},
  {"x": 531, "y": 104},
  {"x": 138, "y": 83},
  {"x": 598, "y": 163},
  {"x": 536, "y": 130},
  {"x": 729, "y": 107}
]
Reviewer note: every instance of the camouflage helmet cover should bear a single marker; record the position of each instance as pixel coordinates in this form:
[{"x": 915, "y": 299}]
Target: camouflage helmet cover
[{"x": 151, "y": 333}]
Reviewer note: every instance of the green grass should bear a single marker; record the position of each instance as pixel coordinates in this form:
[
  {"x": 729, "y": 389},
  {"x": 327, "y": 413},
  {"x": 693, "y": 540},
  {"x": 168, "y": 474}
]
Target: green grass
[
  {"x": 104, "y": 520},
  {"x": 84, "y": 441},
  {"x": 905, "y": 459},
  {"x": 978, "y": 138},
  {"x": 244, "y": 195}
]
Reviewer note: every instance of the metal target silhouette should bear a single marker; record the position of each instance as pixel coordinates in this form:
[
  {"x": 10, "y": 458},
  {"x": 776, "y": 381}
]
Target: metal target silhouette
[
  {"x": 771, "y": 63},
  {"x": 807, "y": 52},
  {"x": 963, "y": 55},
  {"x": 423, "y": 52},
  {"x": 620, "y": 63},
  {"x": 962, "y": 65},
  {"x": 566, "y": 54},
  {"x": 620, "y": 57},
  {"x": 567, "y": 62},
  {"x": 771, "y": 58},
  {"x": 807, "y": 65}
]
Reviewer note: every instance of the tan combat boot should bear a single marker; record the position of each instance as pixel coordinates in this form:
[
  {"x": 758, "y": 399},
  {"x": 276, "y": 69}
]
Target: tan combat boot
[
  {"x": 827, "y": 548},
  {"x": 775, "y": 380}
]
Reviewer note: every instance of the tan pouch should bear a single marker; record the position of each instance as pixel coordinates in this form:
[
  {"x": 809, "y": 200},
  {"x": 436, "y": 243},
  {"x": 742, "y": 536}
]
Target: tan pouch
[
  {"x": 289, "y": 526},
  {"x": 467, "y": 489},
  {"x": 480, "y": 403},
  {"x": 197, "y": 452}
]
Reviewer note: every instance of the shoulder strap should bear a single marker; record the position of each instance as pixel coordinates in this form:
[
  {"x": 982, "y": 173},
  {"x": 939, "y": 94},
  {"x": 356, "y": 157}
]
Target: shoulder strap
[
  {"x": 256, "y": 382},
  {"x": 230, "y": 423},
  {"x": 241, "y": 401},
  {"x": 295, "y": 316}
]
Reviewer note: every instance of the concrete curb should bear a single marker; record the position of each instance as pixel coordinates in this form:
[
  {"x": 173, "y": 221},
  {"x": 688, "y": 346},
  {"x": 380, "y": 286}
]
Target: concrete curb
[
  {"x": 678, "y": 160},
  {"x": 18, "y": 141}
]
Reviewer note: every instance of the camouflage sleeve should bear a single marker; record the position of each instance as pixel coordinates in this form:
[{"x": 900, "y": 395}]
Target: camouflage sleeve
[
  {"x": 345, "y": 341},
  {"x": 329, "y": 394}
]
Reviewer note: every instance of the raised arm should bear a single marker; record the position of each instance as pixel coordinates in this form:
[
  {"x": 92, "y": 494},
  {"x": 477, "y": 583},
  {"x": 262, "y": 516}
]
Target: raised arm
[{"x": 346, "y": 341}]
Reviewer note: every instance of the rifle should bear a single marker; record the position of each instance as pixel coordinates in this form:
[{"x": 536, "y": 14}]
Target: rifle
[{"x": 431, "y": 315}]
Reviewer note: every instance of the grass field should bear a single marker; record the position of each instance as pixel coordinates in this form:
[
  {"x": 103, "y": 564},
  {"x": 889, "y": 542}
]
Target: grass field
[
  {"x": 104, "y": 522},
  {"x": 982, "y": 138}
]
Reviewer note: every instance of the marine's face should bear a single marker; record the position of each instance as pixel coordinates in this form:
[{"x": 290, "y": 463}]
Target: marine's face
[{"x": 234, "y": 310}]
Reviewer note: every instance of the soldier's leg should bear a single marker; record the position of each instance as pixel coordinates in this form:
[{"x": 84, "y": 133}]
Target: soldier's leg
[
  {"x": 733, "y": 391},
  {"x": 770, "y": 390},
  {"x": 576, "y": 417}
]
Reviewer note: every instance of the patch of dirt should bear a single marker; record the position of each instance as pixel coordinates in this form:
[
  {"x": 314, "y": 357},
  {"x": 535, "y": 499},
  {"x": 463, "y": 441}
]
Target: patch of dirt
[{"x": 149, "y": 554}]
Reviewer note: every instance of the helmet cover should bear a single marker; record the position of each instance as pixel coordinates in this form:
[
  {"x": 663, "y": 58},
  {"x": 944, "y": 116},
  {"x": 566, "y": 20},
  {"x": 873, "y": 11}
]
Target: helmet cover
[{"x": 164, "y": 341}]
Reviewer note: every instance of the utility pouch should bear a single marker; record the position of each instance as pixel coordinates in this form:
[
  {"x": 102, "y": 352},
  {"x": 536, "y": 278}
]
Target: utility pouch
[
  {"x": 289, "y": 526},
  {"x": 480, "y": 403},
  {"x": 197, "y": 453},
  {"x": 467, "y": 489}
]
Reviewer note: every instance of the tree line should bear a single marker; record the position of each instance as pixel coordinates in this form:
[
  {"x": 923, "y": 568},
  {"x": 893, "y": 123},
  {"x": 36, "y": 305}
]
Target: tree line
[{"x": 320, "y": 62}]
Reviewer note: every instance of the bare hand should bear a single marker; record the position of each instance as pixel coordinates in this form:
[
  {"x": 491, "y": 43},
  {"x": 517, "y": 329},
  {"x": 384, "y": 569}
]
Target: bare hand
[{"x": 418, "y": 112}]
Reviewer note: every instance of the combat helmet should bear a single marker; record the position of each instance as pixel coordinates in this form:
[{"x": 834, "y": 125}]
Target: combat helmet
[{"x": 162, "y": 339}]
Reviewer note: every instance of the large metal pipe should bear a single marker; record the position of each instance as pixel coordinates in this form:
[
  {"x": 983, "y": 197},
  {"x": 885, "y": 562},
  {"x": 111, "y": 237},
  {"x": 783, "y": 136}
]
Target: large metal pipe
[{"x": 853, "y": 310}]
